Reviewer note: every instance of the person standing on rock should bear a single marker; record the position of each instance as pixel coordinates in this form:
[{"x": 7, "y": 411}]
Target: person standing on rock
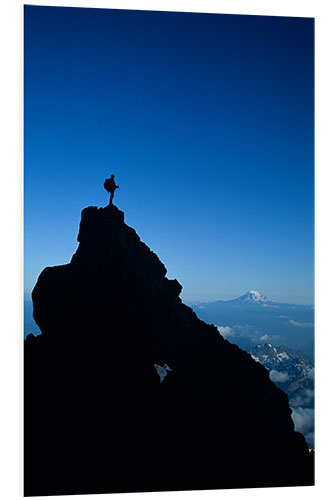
[{"x": 110, "y": 186}]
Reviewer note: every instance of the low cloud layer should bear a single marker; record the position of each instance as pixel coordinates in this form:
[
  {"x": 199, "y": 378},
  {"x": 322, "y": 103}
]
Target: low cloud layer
[
  {"x": 277, "y": 376},
  {"x": 303, "y": 398},
  {"x": 226, "y": 331},
  {"x": 306, "y": 324},
  {"x": 268, "y": 338},
  {"x": 304, "y": 423},
  {"x": 244, "y": 329},
  {"x": 303, "y": 419}
]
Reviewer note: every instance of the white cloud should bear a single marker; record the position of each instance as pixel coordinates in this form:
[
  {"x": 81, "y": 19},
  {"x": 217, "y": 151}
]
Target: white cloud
[
  {"x": 246, "y": 331},
  {"x": 303, "y": 419},
  {"x": 306, "y": 324},
  {"x": 245, "y": 328},
  {"x": 304, "y": 398},
  {"x": 311, "y": 374},
  {"x": 226, "y": 331},
  {"x": 267, "y": 338},
  {"x": 277, "y": 376}
]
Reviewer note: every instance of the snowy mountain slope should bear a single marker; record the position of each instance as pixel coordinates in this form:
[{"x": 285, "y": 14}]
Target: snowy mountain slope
[
  {"x": 253, "y": 296},
  {"x": 293, "y": 372}
]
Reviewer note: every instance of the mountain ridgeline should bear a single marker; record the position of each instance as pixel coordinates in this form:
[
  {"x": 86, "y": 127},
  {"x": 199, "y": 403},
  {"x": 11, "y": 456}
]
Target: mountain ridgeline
[{"x": 127, "y": 390}]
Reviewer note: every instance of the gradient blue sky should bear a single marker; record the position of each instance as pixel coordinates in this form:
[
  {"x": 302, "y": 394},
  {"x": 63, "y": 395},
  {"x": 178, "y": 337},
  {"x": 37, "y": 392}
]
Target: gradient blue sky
[{"x": 206, "y": 121}]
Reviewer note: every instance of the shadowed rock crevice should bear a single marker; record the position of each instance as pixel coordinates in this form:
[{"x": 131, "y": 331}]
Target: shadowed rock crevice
[{"x": 98, "y": 418}]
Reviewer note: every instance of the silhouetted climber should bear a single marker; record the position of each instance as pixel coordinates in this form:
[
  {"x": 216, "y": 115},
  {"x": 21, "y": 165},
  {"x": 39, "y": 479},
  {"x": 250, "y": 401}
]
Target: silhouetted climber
[{"x": 110, "y": 186}]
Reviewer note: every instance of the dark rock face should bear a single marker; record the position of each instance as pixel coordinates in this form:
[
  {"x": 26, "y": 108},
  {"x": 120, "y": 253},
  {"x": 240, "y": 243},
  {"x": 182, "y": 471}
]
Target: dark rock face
[{"x": 100, "y": 418}]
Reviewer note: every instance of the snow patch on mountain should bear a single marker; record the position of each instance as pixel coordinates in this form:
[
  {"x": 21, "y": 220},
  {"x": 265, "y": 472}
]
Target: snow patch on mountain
[
  {"x": 254, "y": 296},
  {"x": 282, "y": 356}
]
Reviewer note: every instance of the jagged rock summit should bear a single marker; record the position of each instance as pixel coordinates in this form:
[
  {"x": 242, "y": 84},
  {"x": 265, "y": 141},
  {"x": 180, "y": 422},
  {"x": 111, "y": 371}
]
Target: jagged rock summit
[{"x": 127, "y": 390}]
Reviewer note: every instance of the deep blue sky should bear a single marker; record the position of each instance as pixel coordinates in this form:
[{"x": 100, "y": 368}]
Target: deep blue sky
[{"x": 206, "y": 121}]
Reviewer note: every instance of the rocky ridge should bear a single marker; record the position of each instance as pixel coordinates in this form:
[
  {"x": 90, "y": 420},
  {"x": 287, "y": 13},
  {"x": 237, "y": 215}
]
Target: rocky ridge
[{"x": 127, "y": 390}]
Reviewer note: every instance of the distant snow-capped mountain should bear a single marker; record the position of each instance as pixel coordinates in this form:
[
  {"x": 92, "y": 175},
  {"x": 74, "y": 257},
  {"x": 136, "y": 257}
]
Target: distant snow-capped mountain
[{"x": 252, "y": 296}]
